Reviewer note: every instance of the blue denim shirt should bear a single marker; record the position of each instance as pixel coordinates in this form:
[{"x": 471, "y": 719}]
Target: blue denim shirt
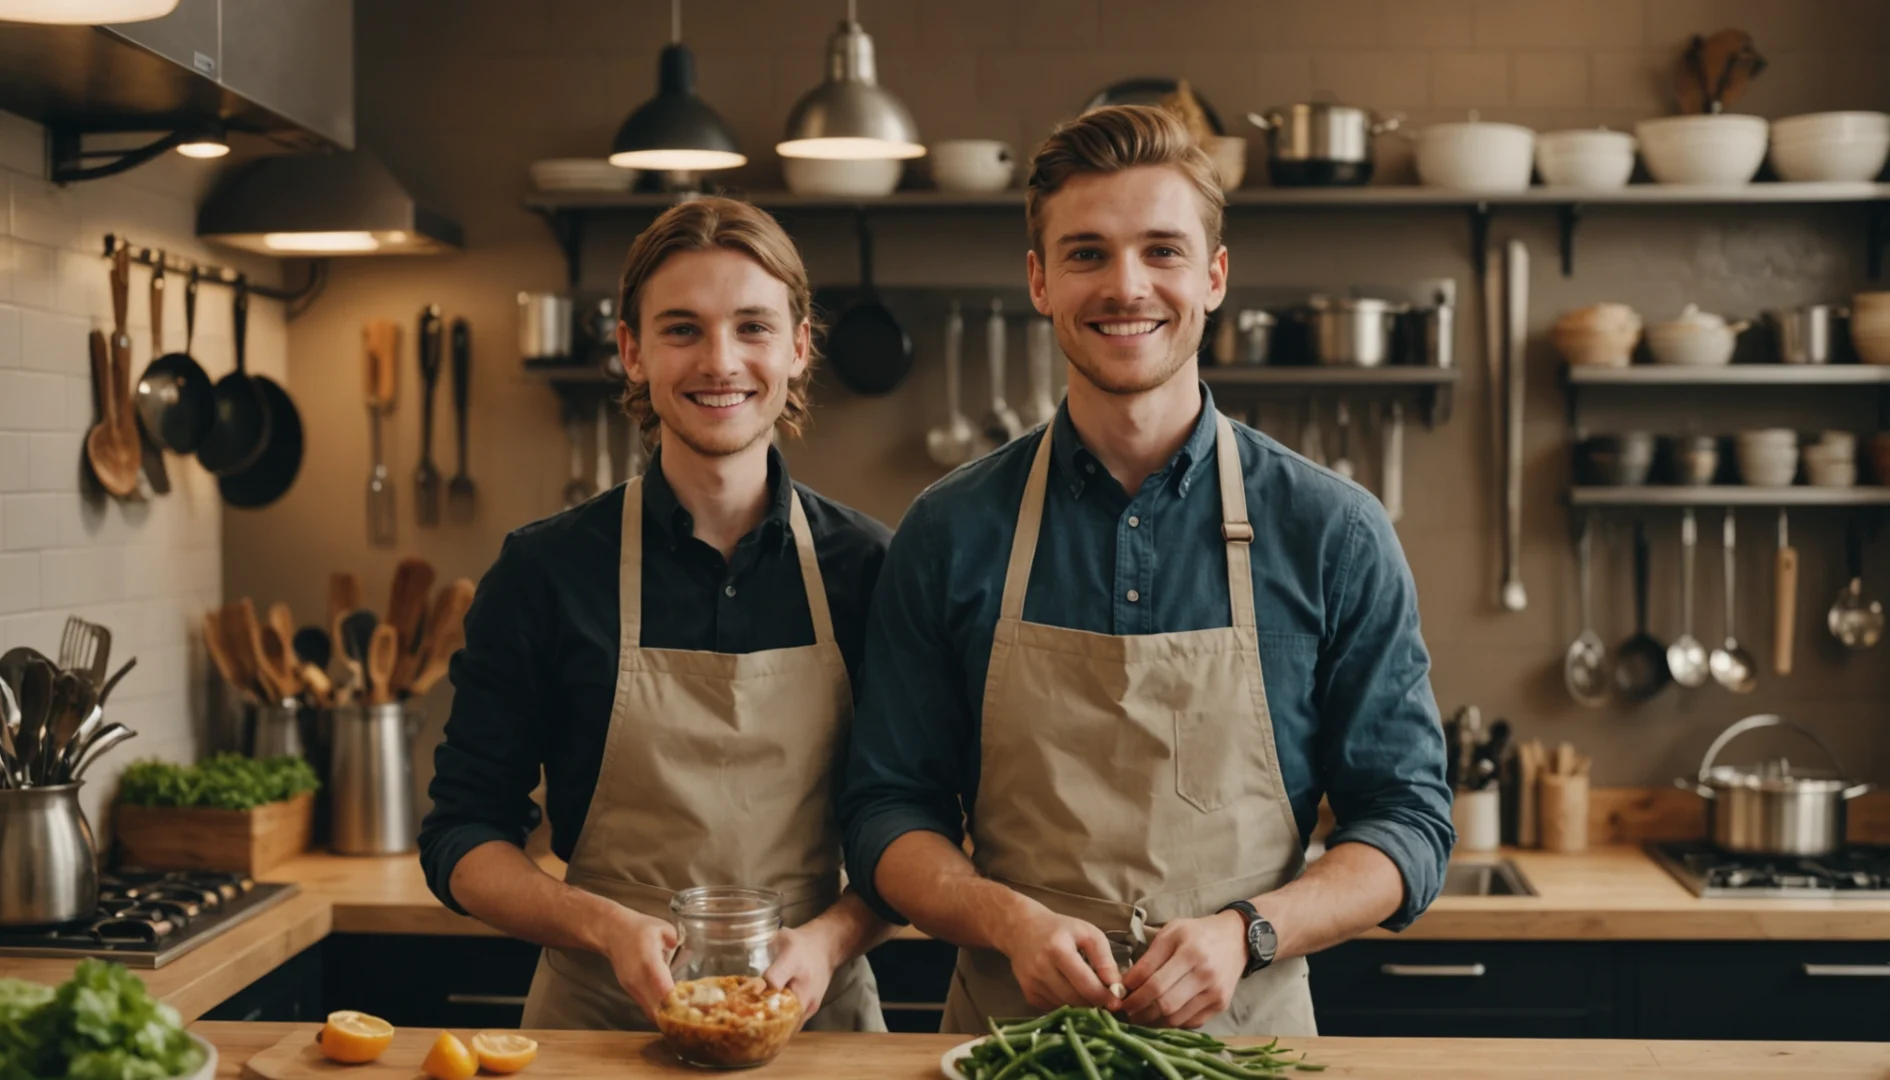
[{"x": 1346, "y": 671}]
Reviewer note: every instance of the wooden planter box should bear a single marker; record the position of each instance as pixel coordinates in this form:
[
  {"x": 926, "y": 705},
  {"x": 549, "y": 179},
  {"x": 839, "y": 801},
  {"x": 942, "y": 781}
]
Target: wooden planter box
[{"x": 197, "y": 838}]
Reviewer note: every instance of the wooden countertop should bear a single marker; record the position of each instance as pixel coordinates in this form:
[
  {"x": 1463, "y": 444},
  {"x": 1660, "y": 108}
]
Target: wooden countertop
[
  {"x": 821, "y": 1056},
  {"x": 1610, "y": 893}
]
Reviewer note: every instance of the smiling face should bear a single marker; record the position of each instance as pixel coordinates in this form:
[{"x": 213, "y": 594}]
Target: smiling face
[
  {"x": 717, "y": 345},
  {"x": 1127, "y": 275}
]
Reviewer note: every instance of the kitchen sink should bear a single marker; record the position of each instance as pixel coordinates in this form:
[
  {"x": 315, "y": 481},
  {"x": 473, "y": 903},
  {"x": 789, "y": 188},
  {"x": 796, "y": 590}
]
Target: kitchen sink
[{"x": 1486, "y": 879}]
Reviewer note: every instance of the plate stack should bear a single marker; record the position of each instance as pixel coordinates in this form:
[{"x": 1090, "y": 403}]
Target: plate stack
[{"x": 581, "y": 174}]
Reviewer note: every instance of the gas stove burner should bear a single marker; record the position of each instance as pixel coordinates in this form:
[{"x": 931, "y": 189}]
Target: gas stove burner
[
  {"x": 146, "y": 920},
  {"x": 1852, "y": 873}
]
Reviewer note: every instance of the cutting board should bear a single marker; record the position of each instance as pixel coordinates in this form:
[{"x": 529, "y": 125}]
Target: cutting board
[{"x": 561, "y": 1054}]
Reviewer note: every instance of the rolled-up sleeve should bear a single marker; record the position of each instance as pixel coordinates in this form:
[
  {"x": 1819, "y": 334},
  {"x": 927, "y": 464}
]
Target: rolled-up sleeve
[
  {"x": 486, "y": 767},
  {"x": 1381, "y": 747},
  {"x": 906, "y": 768}
]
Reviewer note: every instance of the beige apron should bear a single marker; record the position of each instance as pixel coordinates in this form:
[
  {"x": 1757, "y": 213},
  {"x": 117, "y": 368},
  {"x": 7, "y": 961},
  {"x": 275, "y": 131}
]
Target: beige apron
[
  {"x": 1130, "y": 781},
  {"x": 717, "y": 770}
]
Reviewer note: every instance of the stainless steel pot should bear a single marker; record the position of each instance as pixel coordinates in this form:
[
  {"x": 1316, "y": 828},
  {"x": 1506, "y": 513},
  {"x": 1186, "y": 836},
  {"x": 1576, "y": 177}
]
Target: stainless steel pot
[
  {"x": 48, "y": 864},
  {"x": 370, "y": 780},
  {"x": 1773, "y": 808},
  {"x": 1803, "y": 333},
  {"x": 1320, "y": 143},
  {"x": 544, "y": 326},
  {"x": 1351, "y": 332}
]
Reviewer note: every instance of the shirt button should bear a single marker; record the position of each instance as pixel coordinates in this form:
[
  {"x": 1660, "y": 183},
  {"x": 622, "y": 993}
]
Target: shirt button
[
  {"x": 1134, "y": 596},
  {"x": 728, "y": 590},
  {"x": 1134, "y": 521},
  {"x": 1090, "y": 468}
]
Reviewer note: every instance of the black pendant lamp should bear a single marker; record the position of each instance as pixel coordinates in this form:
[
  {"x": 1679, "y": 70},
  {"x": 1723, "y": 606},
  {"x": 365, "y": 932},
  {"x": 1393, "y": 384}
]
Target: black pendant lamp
[{"x": 676, "y": 131}]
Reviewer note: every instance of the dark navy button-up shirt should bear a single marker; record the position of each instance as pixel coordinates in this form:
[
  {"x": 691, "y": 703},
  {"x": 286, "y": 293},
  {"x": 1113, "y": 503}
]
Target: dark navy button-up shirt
[{"x": 1346, "y": 671}]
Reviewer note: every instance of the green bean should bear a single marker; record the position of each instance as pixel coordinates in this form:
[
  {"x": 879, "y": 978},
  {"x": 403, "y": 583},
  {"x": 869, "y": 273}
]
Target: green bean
[
  {"x": 1147, "y": 1053},
  {"x": 997, "y": 1036},
  {"x": 1083, "y": 1059}
]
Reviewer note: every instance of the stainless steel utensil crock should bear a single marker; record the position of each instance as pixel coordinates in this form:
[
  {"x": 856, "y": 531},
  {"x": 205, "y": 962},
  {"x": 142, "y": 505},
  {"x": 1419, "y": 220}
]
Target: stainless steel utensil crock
[
  {"x": 370, "y": 780},
  {"x": 48, "y": 864},
  {"x": 1773, "y": 808},
  {"x": 1803, "y": 333},
  {"x": 544, "y": 325}
]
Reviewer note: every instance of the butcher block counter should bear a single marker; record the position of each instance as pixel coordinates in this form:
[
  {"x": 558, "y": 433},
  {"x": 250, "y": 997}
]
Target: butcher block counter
[
  {"x": 1611, "y": 893},
  {"x": 821, "y": 1056}
]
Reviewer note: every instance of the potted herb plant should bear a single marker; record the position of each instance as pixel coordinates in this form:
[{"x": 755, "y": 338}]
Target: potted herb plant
[{"x": 230, "y": 813}]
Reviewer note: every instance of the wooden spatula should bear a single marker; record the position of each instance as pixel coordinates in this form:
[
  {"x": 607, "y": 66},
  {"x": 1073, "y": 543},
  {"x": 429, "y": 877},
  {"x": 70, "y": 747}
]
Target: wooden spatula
[
  {"x": 441, "y": 638},
  {"x": 407, "y": 602},
  {"x": 383, "y": 650},
  {"x": 113, "y": 461},
  {"x": 220, "y": 655}
]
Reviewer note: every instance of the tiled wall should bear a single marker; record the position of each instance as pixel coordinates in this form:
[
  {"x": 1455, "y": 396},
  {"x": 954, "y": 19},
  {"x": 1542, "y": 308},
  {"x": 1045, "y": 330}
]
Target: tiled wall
[
  {"x": 462, "y": 96},
  {"x": 146, "y": 570}
]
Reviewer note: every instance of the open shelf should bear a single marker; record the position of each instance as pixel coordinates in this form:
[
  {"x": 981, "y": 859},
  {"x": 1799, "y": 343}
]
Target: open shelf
[
  {"x": 1732, "y": 375},
  {"x": 1728, "y": 495},
  {"x": 1433, "y": 386}
]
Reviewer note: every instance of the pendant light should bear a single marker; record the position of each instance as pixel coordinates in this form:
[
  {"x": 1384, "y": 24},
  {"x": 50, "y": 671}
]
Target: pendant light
[
  {"x": 675, "y": 131},
  {"x": 850, "y": 115},
  {"x": 84, "y": 12}
]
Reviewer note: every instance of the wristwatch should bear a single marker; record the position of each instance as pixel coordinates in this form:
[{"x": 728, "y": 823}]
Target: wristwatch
[{"x": 1262, "y": 942}]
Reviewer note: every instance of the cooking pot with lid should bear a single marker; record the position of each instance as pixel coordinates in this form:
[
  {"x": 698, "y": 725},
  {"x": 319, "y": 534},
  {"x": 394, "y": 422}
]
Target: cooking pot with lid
[
  {"x": 1774, "y": 807},
  {"x": 1320, "y": 144}
]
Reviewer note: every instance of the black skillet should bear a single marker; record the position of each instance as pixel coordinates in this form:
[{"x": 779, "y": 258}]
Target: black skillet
[
  {"x": 868, "y": 349},
  {"x": 176, "y": 400},
  {"x": 241, "y": 430}
]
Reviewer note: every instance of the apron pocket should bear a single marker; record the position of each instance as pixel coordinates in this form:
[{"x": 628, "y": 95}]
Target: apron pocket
[{"x": 1207, "y": 770}]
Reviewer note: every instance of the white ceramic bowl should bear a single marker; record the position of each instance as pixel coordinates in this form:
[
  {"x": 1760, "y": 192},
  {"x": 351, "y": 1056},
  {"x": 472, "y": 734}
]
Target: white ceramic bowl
[
  {"x": 972, "y": 165},
  {"x": 1831, "y": 125},
  {"x": 843, "y": 177},
  {"x": 1777, "y": 436},
  {"x": 1831, "y": 474},
  {"x": 1839, "y": 159},
  {"x": 1717, "y": 151},
  {"x": 1841, "y": 443},
  {"x": 1766, "y": 468},
  {"x": 1612, "y": 347},
  {"x": 1476, "y": 156},
  {"x": 1592, "y": 160}
]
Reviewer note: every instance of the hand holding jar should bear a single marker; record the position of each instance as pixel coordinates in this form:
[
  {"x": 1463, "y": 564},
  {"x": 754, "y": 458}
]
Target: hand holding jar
[{"x": 722, "y": 1013}]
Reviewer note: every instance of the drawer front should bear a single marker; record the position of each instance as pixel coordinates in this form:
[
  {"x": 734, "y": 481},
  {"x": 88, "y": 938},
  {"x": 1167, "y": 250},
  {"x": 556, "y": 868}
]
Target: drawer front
[
  {"x": 913, "y": 972},
  {"x": 1466, "y": 1024},
  {"x": 1822, "y": 991},
  {"x": 444, "y": 981},
  {"x": 292, "y": 993},
  {"x": 1376, "y": 976}
]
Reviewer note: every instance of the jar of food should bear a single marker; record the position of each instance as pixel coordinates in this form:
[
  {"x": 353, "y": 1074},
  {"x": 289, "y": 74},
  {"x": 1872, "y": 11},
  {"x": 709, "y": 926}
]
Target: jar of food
[{"x": 722, "y": 1014}]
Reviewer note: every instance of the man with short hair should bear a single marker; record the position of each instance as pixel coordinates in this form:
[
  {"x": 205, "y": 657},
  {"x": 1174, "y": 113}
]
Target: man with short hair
[
  {"x": 1132, "y": 651},
  {"x": 676, "y": 654}
]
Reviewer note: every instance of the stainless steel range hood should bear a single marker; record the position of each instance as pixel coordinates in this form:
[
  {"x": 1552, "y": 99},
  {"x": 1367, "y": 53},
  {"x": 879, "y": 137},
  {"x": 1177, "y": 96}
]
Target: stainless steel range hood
[{"x": 324, "y": 204}]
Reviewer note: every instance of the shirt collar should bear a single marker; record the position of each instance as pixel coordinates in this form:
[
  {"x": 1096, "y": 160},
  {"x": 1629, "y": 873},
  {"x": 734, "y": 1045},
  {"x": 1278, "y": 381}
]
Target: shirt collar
[
  {"x": 1077, "y": 466},
  {"x": 661, "y": 505}
]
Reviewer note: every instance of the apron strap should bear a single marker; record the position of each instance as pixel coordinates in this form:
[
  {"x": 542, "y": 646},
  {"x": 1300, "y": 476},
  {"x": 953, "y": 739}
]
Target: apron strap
[
  {"x": 630, "y": 567},
  {"x": 810, "y": 572},
  {"x": 1236, "y": 529},
  {"x": 1029, "y": 524}
]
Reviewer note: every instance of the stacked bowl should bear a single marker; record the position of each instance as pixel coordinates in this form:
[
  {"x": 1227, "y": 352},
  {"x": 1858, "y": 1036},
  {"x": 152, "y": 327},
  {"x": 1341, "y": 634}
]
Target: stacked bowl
[
  {"x": 1831, "y": 462},
  {"x": 1768, "y": 457},
  {"x": 1845, "y": 146},
  {"x": 1600, "y": 335},
  {"x": 1595, "y": 160},
  {"x": 1723, "y": 150}
]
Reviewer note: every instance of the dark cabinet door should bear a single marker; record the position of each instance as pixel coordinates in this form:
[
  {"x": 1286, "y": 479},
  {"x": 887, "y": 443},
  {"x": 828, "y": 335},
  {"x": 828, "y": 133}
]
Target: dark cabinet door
[
  {"x": 464, "y": 982},
  {"x": 292, "y": 993},
  {"x": 1776, "y": 991},
  {"x": 913, "y": 979},
  {"x": 1466, "y": 989}
]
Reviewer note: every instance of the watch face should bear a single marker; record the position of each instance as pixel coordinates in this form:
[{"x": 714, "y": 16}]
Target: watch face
[{"x": 1261, "y": 941}]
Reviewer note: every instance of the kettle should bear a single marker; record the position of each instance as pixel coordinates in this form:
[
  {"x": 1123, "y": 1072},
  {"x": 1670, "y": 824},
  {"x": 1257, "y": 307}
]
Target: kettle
[{"x": 48, "y": 862}]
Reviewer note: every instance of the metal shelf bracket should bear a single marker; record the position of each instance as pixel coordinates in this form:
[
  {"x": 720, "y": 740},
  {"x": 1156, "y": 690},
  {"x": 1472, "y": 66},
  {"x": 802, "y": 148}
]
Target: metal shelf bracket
[{"x": 1568, "y": 216}]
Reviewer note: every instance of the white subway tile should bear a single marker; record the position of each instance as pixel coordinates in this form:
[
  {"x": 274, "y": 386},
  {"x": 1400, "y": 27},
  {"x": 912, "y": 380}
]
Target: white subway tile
[
  {"x": 72, "y": 576},
  {"x": 54, "y": 343},
  {"x": 31, "y": 401},
  {"x": 39, "y": 629},
  {"x": 58, "y": 462},
  {"x": 9, "y": 336},
  {"x": 35, "y": 275},
  {"x": 15, "y": 462},
  {"x": 85, "y": 290},
  {"x": 19, "y": 583},
  {"x": 22, "y": 145},
  {"x": 44, "y": 213},
  {"x": 93, "y": 520},
  {"x": 6, "y": 267},
  {"x": 31, "y": 522},
  {"x": 81, "y": 410}
]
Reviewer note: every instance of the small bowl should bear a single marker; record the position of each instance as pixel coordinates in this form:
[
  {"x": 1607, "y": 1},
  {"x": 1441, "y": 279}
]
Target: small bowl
[
  {"x": 1689, "y": 460},
  {"x": 1767, "y": 466},
  {"x": 1615, "y": 460},
  {"x": 1596, "y": 348},
  {"x": 1831, "y": 474},
  {"x": 1767, "y": 437}
]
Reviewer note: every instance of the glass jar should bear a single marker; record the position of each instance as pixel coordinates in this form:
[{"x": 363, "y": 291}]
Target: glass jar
[{"x": 722, "y": 1015}]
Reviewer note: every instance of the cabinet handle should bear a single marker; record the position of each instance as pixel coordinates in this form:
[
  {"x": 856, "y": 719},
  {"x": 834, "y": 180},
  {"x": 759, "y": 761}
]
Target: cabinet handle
[
  {"x": 486, "y": 999},
  {"x": 1855, "y": 971},
  {"x": 1433, "y": 971}
]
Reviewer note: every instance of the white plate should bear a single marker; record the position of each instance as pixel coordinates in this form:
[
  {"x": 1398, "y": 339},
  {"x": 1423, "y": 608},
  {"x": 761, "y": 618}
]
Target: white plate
[
  {"x": 948, "y": 1064},
  {"x": 209, "y": 1070}
]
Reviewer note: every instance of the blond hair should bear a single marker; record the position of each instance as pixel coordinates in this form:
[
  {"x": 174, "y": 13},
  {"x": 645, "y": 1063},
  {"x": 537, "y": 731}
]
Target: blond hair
[
  {"x": 1110, "y": 140},
  {"x": 706, "y": 224}
]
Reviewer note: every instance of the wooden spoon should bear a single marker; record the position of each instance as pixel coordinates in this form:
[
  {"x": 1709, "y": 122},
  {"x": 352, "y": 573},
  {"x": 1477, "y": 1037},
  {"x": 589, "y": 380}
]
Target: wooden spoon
[
  {"x": 278, "y": 659},
  {"x": 383, "y": 651},
  {"x": 280, "y": 617},
  {"x": 220, "y": 655},
  {"x": 407, "y": 609},
  {"x": 449, "y": 608},
  {"x": 242, "y": 636},
  {"x": 113, "y": 461}
]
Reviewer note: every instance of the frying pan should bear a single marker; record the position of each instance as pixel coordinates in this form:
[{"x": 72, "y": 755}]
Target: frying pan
[
  {"x": 176, "y": 400},
  {"x": 274, "y": 472},
  {"x": 241, "y": 430},
  {"x": 869, "y": 350}
]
